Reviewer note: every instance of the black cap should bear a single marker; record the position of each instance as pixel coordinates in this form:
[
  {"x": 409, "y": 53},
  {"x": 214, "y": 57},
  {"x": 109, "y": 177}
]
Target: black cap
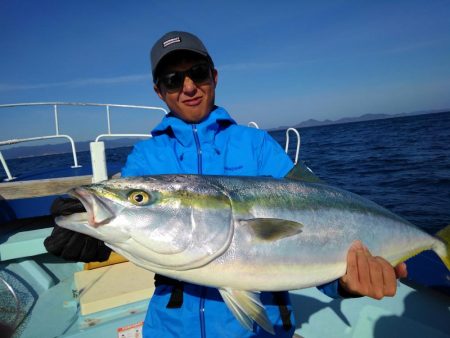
[{"x": 174, "y": 41}]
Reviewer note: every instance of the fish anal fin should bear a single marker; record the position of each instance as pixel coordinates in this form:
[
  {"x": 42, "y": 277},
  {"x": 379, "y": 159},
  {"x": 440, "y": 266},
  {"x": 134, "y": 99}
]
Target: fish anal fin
[
  {"x": 272, "y": 229},
  {"x": 247, "y": 308}
]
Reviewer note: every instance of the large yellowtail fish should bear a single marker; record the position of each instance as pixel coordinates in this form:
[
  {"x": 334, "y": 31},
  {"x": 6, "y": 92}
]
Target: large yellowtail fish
[{"x": 243, "y": 234}]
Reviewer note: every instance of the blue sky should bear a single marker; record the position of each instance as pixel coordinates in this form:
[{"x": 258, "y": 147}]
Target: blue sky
[{"x": 279, "y": 62}]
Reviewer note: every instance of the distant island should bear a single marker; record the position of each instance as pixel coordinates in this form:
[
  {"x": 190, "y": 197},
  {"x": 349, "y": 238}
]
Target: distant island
[
  {"x": 61, "y": 148},
  {"x": 365, "y": 117}
]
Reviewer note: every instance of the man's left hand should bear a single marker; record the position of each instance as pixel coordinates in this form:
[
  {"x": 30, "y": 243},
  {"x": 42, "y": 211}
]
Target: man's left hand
[{"x": 368, "y": 275}]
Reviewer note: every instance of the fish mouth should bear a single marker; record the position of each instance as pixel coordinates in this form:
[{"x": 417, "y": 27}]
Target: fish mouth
[{"x": 97, "y": 212}]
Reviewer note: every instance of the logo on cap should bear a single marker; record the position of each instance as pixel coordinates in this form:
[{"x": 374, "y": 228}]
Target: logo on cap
[{"x": 171, "y": 41}]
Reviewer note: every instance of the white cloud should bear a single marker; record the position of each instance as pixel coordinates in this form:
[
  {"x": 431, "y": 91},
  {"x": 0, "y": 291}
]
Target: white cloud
[
  {"x": 251, "y": 66},
  {"x": 408, "y": 47},
  {"x": 76, "y": 83}
]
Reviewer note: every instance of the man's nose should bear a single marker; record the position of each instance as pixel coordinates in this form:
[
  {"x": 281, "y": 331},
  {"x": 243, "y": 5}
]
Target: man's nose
[{"x": 189, "y": 85}]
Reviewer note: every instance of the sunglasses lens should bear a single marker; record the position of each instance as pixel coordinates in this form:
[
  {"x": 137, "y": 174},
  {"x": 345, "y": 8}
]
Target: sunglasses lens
[
  {"x": 174, "y": 81},
  {"x": 199, "y": 73}
]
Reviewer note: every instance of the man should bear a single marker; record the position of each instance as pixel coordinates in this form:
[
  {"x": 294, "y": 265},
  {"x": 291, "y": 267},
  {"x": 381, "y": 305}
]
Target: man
[{"x": 197, "y": 137}]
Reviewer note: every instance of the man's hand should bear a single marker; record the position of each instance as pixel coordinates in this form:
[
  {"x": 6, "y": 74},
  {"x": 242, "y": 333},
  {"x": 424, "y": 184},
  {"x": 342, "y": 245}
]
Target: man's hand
[{"x": 368, "y": 275}]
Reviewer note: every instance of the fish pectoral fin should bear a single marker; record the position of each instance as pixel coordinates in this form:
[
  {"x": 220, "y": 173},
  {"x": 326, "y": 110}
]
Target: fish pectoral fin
[
  {"x": 247, "y": 308},
  {"x": 272, "y": 229}
]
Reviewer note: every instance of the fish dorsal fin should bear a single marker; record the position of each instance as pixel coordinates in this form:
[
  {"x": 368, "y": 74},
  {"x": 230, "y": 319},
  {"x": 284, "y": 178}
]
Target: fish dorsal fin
[
  {"x": 300, "y": 172},
  {"x": 272, "y": 229},
  {"x": 247, "y": 308}
]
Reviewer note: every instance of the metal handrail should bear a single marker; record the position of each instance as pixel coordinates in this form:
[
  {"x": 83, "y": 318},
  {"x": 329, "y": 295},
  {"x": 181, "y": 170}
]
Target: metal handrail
[
  {"x": 298, "y": 142},
  {"x": 58, "y": 135},
  {"x": 109, "y": 133},
  {"x": 5, "y": 167},
  {"x": 38, "y": 138},
  {"x": 253, "y": 124},
  {"x": 80, "y": 104}
]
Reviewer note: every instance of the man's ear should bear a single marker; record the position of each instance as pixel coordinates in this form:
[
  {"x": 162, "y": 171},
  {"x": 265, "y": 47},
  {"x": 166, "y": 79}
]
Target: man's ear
[
  {"x": 215, "y": 76},
  {"x": 158, "y": 91}
]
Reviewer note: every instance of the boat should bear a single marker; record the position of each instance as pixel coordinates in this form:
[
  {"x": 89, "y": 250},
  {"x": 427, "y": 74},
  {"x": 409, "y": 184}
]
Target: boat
[{"x": 45, "y": 296}]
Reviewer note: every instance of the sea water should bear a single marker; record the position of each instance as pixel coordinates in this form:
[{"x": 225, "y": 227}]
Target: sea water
[{"x": 402, "y": 163}]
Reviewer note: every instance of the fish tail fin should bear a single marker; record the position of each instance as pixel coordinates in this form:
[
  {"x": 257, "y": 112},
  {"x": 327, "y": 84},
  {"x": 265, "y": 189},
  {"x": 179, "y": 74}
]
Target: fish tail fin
[{"x": 443, "y": 250}]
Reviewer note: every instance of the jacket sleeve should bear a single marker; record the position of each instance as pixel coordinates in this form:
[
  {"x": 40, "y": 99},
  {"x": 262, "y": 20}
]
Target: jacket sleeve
[
  {"x": 136, "y": 164},
  {"x": 272, "y": 160}
]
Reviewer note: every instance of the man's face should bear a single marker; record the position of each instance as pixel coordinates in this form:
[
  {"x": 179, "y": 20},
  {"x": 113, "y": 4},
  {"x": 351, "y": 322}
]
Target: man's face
[{"x": 192, "y": 102}]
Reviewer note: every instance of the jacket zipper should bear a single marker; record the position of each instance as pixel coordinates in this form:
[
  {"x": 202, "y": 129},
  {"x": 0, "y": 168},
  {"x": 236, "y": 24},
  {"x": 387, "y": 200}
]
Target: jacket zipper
[
  {"x": 202, "y": 312},
  {"x": 199, "y": 149},
  {"x": 202, "y": 297}
]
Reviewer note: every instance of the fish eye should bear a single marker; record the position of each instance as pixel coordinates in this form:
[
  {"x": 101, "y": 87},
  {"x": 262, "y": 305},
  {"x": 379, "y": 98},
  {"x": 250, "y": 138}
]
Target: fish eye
[{"x": 138, "y": 197}]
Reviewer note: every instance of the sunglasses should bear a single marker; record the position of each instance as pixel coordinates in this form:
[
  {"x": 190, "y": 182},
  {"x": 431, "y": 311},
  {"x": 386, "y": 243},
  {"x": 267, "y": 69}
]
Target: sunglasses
[{"x": 174, "y": 81}]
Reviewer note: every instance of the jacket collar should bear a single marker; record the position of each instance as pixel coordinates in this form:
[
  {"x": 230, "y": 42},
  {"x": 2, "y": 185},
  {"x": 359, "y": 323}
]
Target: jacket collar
[{"x": 183, "y": 132}]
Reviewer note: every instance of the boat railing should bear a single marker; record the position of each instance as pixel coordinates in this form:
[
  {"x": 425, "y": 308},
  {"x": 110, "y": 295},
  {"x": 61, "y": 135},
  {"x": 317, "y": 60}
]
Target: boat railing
[
  {"x": 253, "y": 125},
  {"x": 97, "y": 147},
  {"x": 56, "y": 106},
  {"x": 297, "y": 150},
  {"x": 38, "y": 138}
]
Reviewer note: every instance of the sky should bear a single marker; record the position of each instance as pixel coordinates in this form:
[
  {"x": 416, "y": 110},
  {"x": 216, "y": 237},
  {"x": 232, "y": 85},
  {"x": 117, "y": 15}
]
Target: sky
[{"x": 279, "y": 62}]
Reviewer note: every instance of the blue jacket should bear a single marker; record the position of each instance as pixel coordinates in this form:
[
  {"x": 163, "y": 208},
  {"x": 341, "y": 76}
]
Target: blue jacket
[{"x": 216, "y": 146}]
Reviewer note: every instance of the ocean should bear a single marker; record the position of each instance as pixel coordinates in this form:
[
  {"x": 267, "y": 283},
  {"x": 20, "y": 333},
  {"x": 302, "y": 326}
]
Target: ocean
[{"x": 401, "y": 163}]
